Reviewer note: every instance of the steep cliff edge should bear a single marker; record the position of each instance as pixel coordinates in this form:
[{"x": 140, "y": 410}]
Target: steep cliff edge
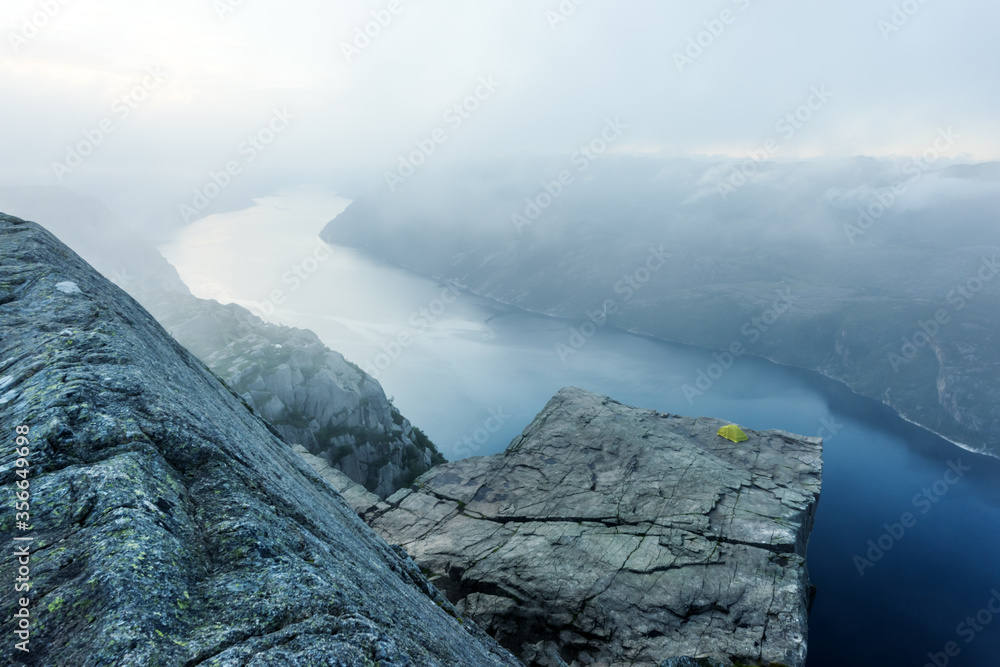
[
  {"x": 611, "y": 535},
  {"x": 169, "y": 525},
  {"x": 311, "y": 394}
]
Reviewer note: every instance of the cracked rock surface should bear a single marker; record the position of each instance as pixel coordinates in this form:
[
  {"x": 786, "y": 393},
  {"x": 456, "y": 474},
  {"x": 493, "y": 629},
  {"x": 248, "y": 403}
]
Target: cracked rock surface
[
  {"x": 170, "y": 524},
  {"x": 611, "y": 535}
]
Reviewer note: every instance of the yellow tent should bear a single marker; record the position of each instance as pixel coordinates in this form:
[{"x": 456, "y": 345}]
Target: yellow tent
[{"x": 733, "y": 432}]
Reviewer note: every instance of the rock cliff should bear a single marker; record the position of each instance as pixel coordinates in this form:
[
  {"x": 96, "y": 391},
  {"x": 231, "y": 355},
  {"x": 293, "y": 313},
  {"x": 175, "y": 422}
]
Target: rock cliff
[
  {"x": 311, "y": 394},
  {"x": 611, "y": 535},
  {"x": 169, "y": 524}
]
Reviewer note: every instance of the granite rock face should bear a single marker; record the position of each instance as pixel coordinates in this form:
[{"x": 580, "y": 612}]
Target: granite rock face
[
  {"x": 311, "y": 394},
  {"x": 611, "y": 535},
  {"x": 356, "y": 496},
  {"x": 170, "y": 524}
]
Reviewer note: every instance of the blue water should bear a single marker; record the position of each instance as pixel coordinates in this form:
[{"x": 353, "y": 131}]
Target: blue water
[
  {"x": 478, "y": 364},
  {"x": 907, "y": 604}
]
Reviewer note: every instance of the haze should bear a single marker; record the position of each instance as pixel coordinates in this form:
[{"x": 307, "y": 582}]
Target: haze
[{"x": 224, "y": 67}]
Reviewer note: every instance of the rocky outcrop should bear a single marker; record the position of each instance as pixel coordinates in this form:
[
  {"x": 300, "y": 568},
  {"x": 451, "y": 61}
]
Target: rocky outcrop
[
  {"x": 311, "y": 394},
  {"x": 356, "y": 496},
  {"x": 169, "y": 525},
  {"x": 611, "y": 535}
]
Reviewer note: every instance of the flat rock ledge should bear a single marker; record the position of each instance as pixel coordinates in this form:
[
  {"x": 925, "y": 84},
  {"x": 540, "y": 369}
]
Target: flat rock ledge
[{"x": 611, "y": 535}]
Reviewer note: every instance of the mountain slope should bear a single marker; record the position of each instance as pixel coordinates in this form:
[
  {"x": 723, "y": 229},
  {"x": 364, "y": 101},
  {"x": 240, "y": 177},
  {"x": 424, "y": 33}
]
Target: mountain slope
[
  {"x": 311, "y": 394},
  {"x": 169, "y": 524}
]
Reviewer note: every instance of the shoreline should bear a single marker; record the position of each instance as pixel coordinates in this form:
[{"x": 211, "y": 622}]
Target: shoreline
[{"x": 634, "y": 332}]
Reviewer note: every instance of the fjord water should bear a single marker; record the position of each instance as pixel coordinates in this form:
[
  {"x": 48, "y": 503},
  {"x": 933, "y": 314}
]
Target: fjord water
[{"x": 891, "y": 589}]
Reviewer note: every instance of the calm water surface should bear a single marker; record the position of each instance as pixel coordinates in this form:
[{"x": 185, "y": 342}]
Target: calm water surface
[{"x": 452, "y": 361}]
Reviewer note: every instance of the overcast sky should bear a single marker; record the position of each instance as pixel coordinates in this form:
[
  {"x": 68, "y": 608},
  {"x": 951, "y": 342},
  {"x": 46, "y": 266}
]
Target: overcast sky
[{"x": 221, "y": 72}]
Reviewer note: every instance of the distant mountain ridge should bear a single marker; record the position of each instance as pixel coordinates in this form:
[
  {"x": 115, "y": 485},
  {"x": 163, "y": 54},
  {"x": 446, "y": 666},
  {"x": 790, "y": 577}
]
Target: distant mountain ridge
[{"x": 908, "y": 313}]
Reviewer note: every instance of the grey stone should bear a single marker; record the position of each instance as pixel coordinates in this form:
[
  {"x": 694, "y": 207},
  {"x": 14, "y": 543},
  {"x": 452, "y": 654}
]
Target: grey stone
[
  {"x": 611, "y": 535},
  {"x": 311, "y": 394},
  {"x": 356, "y": 496},
  {"x": 690, "y": 662},
  {"x": 170, "y": 525}
]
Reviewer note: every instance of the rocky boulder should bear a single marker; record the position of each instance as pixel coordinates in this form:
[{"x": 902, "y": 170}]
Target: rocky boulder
[{"x": 611, "y": 535}]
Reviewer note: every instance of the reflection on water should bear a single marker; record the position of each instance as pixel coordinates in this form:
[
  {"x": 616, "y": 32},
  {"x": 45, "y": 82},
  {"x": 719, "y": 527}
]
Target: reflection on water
[{"x": 458, "y": 365}]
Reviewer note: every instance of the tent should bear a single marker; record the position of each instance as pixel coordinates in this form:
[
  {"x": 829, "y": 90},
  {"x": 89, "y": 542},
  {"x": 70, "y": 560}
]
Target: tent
[{"x": 733, "y": 432}]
